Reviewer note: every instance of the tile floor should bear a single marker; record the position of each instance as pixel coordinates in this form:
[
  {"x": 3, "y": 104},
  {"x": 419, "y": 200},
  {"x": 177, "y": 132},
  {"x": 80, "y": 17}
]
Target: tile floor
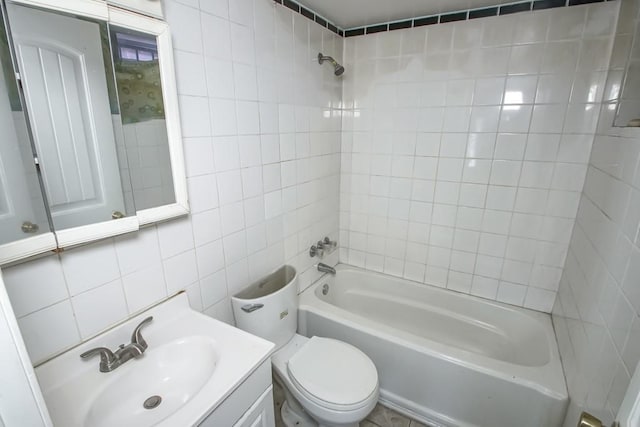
[
  {"x": 379, "y": 417},
  {"x": 385, "y": 417}
]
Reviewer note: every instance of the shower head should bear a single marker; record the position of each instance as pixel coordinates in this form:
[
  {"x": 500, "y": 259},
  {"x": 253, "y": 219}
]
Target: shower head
[{"x": 338, "y": 69}]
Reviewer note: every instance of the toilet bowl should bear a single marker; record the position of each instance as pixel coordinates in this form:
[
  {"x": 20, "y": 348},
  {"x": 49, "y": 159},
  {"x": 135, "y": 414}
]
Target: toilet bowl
[
  {"x": 335, "y": 383},
  {"x": 327, "y": 382}
]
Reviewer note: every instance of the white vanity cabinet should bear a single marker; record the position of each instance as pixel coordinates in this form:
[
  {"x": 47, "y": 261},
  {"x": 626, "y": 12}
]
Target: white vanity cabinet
[
  {"x": 261, "y": 413},
  {"x": 250, "y": 404}
]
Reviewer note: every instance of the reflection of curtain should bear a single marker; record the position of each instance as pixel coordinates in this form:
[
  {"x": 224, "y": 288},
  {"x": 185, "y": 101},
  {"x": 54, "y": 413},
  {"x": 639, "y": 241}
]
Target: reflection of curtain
[{"x": 139, "y": 91}]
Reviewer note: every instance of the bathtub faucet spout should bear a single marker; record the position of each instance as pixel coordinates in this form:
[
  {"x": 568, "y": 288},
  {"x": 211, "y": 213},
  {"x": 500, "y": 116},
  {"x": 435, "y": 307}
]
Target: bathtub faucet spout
[{"x": 326, "y": 268}]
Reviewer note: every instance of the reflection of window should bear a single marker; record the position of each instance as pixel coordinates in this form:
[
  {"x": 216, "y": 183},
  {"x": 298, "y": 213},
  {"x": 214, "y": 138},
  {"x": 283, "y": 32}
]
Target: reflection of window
[
  {"x": 137, "y": 73},
  {"x": 135, "y": 47}
]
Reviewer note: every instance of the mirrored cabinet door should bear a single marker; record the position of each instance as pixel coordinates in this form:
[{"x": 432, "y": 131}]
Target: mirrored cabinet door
[
  {"x": 142, "y": 118},
  {"x": 24, "y": 225},
  {"x": 148, "y": 103},
  {"x": 64, "y": 77}
]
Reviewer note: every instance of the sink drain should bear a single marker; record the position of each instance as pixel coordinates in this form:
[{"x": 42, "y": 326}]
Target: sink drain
[{"x": 152, "y": 402}]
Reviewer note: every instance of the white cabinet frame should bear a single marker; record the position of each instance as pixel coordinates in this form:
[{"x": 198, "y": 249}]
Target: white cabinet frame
[{"x": 28, "y": 247}]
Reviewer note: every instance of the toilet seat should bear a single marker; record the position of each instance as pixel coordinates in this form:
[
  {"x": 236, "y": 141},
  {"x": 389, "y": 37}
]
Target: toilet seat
[{"x": 333, "y": 374}]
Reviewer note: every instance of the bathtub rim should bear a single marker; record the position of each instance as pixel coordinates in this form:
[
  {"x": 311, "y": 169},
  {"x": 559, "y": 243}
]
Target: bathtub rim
[{"x": 552, "y": 384}]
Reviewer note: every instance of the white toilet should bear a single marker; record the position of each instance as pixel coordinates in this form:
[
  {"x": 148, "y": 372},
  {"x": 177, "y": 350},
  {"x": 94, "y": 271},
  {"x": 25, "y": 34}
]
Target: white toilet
[{"x": 327, "y": 382}]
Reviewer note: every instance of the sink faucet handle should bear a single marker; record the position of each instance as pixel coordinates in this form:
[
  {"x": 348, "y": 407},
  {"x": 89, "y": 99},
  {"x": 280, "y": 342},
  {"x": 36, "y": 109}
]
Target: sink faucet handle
[
  {"x": 107, "y": 358},
  {"x": 136, "y": 337}
]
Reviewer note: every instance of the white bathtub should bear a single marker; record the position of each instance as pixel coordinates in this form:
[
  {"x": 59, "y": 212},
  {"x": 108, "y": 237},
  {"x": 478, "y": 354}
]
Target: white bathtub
[{"x": 445, "y": 358}]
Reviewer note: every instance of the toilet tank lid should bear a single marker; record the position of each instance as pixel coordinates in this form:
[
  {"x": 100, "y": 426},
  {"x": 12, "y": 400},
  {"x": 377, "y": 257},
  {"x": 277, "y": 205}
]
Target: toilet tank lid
[{"x": 334, "y": 371}]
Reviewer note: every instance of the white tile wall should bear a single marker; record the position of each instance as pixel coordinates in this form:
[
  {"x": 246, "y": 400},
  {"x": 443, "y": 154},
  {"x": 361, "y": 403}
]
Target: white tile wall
[
  {"x": 596, "y": 314},
  {"x": 262, "y": 147},
  {"x": 465, "y": 149}
]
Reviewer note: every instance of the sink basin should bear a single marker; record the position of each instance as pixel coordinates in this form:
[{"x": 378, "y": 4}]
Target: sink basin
[
  {"x": 175, "y": 372},
  {"x": 192, "y": 364}
]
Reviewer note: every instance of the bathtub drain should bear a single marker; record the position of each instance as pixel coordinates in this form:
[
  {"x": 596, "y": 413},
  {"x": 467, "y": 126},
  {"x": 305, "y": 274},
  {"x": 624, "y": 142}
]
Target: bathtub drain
[
  {"x": 152, "y": 402},
  {"x": 325, "y": 289}
]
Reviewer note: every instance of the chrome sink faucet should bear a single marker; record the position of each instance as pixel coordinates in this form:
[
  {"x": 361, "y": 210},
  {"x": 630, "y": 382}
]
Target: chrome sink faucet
[{"x": 110, "y": 361}]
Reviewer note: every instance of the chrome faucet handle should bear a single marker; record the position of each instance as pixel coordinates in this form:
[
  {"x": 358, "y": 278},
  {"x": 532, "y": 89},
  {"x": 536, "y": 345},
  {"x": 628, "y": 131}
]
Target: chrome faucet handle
[
  {"x": 316, "y": 250},
  {"x": 107, "y": 358},
  {"x": 331, "y": 243},
  {"x": 136, "y": 337}
]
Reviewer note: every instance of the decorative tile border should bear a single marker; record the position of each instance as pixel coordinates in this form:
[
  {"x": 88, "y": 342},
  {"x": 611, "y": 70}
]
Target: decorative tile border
[
  {"x": 463, "y": 15},
  {"x": 309, "y": 14}
]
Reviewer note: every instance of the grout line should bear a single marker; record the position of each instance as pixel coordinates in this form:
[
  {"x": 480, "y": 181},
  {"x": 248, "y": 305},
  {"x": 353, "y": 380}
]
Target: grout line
[{"x": 517, "y": 187}]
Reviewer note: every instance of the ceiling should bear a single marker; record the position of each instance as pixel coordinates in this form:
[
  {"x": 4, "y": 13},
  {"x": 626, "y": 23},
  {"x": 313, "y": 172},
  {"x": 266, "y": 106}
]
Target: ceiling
[{"x": 348, "y": 14}]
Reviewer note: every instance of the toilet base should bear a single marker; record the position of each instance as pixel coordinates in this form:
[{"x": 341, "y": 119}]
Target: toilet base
[
  {"x": 291, "y": 418},
  {"x": 294, "y": 415}
]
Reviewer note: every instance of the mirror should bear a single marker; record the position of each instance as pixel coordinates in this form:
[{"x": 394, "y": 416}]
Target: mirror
[
  {"x": 102, "y": 116},
  {"x": 22, "y": 208},
  {"x": 146, "y": 147},
  {"x": 64, "y": 78}
]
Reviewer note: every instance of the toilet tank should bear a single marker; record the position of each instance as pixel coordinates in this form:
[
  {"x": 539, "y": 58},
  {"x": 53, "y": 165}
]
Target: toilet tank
[{"x": 269, "y": 307}]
